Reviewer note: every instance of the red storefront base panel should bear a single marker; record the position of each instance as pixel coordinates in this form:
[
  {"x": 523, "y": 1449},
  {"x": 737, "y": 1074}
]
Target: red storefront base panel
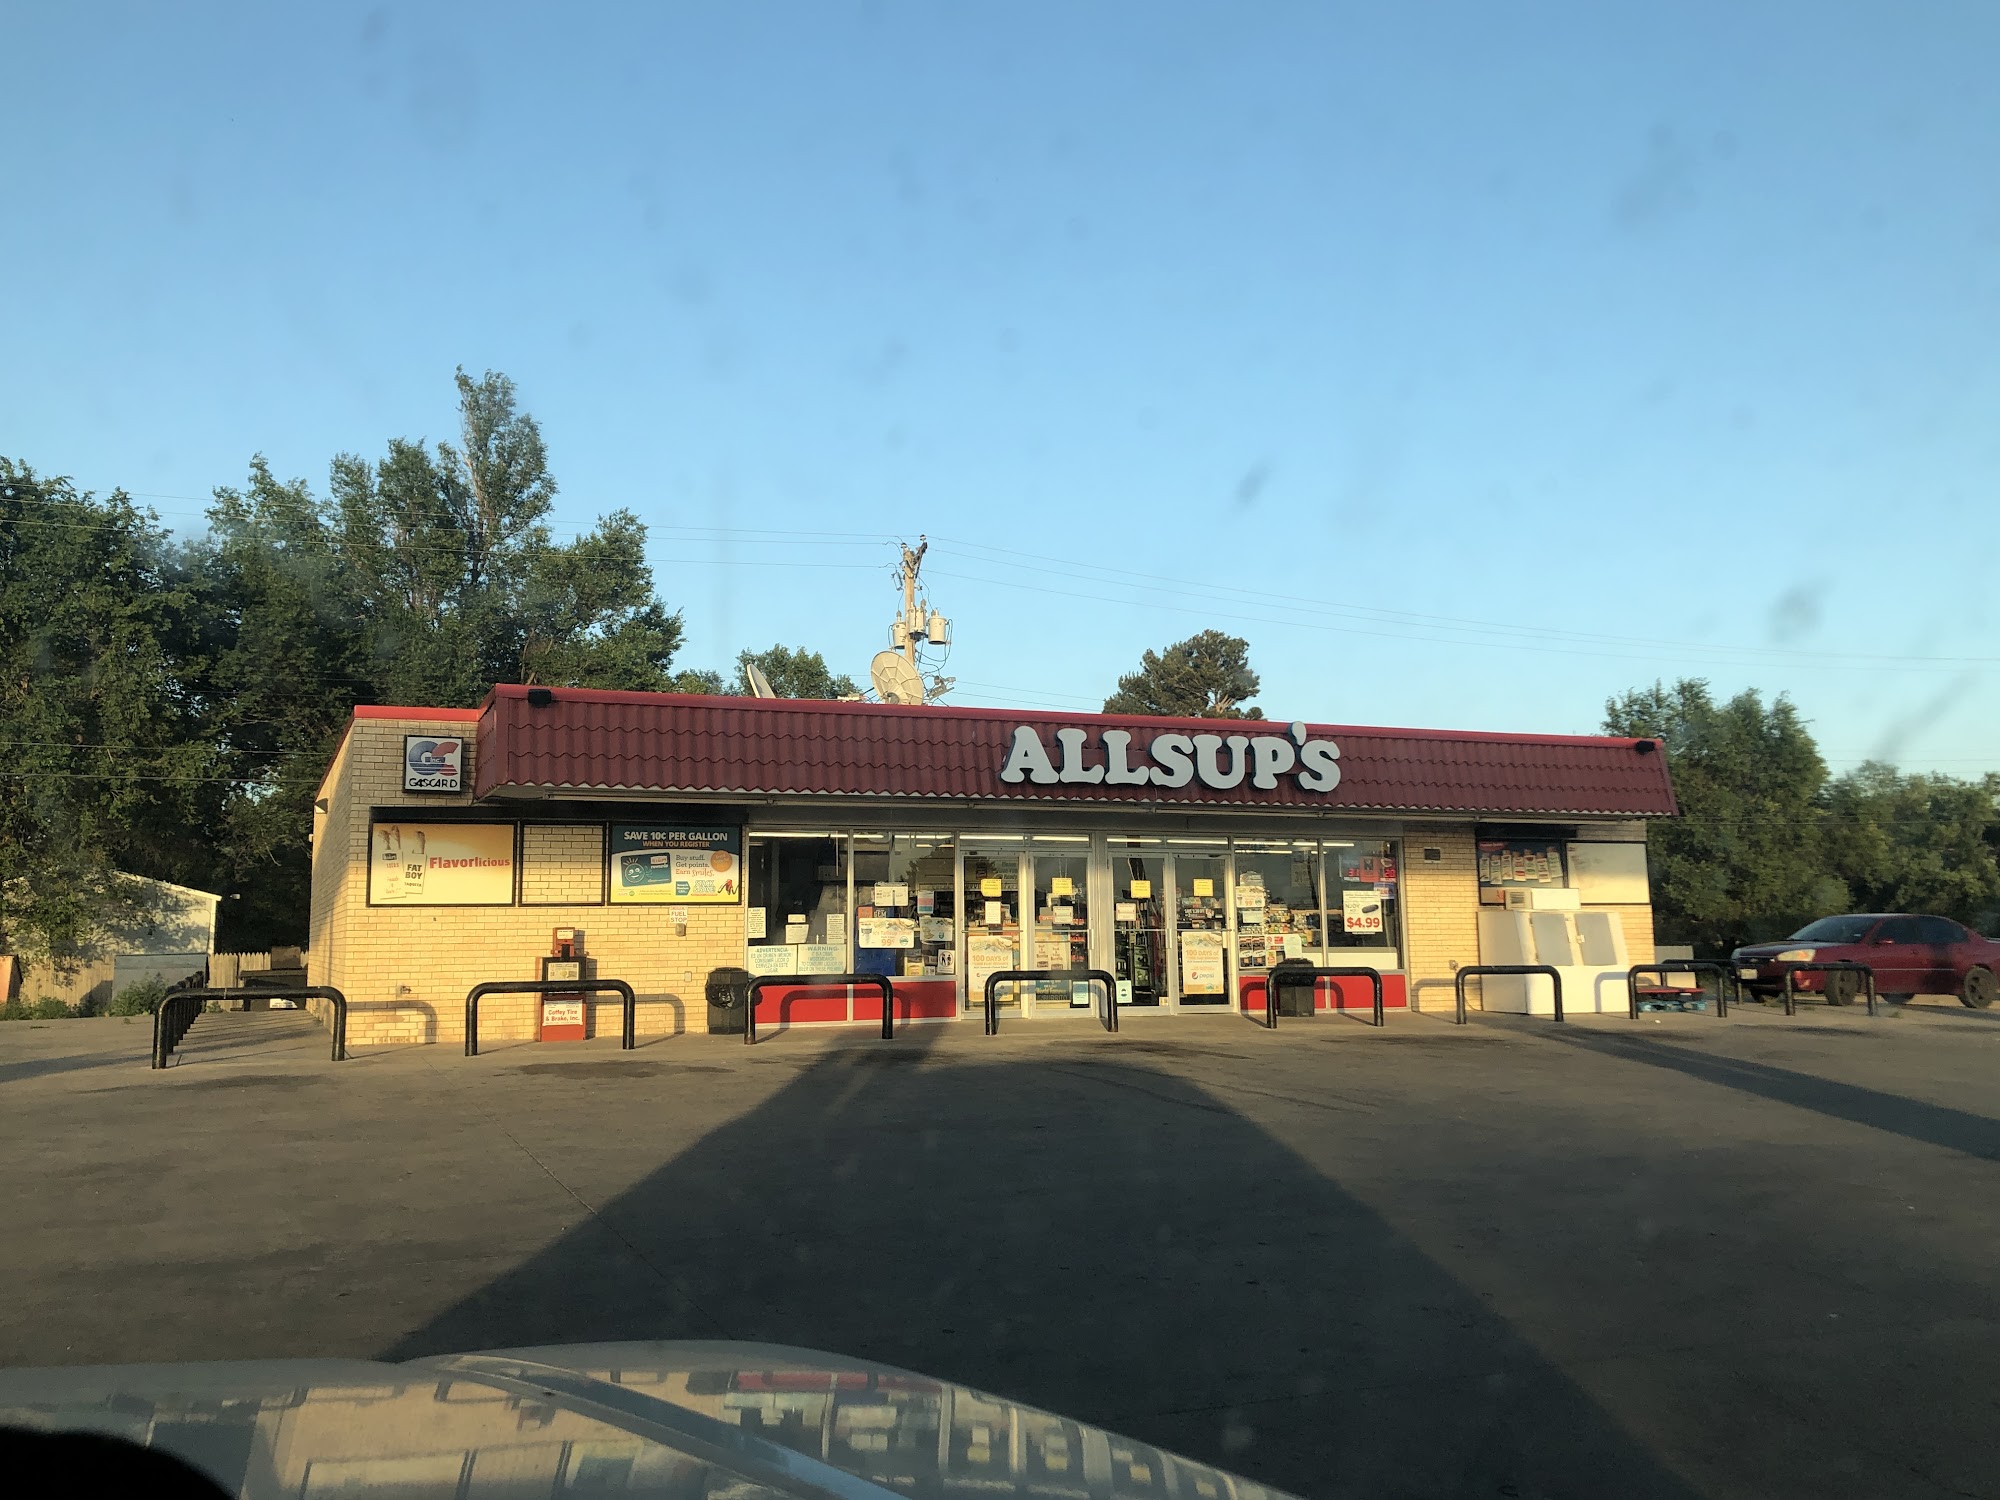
[
  {"x": 1332, "y": 994},
  {"x": 937, "y": 999},
  {"x": 916, "y": 1000}
]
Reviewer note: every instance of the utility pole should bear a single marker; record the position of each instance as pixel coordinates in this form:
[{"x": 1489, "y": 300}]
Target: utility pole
[
  {"x": 912, "y": 627},
  {"x": 898, "y": 673}
]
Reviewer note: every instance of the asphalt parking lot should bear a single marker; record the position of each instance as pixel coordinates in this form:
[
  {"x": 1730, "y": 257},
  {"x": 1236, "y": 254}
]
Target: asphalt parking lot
[{"x": 1664, "y": 1258}]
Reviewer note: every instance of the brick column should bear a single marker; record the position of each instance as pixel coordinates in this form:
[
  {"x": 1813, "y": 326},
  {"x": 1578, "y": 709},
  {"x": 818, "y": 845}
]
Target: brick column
[{"x": 1440, "y": 910}]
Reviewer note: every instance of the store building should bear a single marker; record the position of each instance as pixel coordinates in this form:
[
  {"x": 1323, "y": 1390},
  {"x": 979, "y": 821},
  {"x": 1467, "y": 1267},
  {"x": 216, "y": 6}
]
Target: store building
[{"x": 688, "y": 841}]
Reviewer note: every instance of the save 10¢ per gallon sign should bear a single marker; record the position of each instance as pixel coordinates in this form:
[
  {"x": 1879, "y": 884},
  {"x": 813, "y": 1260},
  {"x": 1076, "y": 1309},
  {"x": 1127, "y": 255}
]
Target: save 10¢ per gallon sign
[{"x": 682, "y": 863}]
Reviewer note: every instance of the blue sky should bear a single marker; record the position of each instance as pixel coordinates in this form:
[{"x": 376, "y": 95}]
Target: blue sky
[{"x": 1474, "y": 361}]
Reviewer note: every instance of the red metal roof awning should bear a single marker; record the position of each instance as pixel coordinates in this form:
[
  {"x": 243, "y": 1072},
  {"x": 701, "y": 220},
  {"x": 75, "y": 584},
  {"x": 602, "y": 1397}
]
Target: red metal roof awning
[{"x": 588, "y": 742}]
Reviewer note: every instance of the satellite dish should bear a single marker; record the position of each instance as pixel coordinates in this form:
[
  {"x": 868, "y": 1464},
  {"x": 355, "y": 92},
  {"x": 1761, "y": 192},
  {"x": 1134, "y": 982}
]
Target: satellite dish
[
  {"x": 760, "y": 685},
  {"x": 896, "y": 681}
]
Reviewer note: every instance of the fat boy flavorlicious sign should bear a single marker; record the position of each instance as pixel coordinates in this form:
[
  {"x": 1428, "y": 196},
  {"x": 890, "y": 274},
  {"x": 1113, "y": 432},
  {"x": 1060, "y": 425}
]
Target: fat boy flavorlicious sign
[{"x": 1219, "y": 762}]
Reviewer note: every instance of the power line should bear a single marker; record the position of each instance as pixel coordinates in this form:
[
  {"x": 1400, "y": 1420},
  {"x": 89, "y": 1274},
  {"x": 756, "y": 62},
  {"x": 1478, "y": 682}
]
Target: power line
[
  {"x": 129, "y": 776},
  {"x": 1208, "y": 612},
  {"x": 404, "y": 549},
  {"x": 1008, "y": 687},
  {"x": 1158, "y": 583},
  {"x": 1397, "y": 624}
]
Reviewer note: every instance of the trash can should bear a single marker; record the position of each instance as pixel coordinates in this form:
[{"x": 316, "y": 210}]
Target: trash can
[
  {"x": 1294, "y": 998},
  {"x": 728, "y": 992}
]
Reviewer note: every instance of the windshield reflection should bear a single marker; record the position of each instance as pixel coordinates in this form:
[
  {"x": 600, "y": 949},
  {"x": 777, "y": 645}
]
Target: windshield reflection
[{"x": 640, "y": 1419}]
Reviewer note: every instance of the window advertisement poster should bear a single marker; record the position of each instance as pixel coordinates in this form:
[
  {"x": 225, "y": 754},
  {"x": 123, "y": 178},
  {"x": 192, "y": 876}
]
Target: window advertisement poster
[
  {"x": 822, "y": 958},
  {"x": 1515, "y": 864},
  {"x": 886, "y": 932},
  {"x": 772, "y": 958},
  {"x": 441, "y": 864},
  {"x": 1202, "y": 963},
  {"x": 984, "y": 956},
  {"x": 655, "y": 863},
  {"x": 1362, "y": 911},
  {"x": 1360, "y": 867}
]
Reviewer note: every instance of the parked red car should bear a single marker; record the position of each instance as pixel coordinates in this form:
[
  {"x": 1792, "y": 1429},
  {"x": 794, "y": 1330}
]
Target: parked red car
[{"x": 1909, "y": 955}]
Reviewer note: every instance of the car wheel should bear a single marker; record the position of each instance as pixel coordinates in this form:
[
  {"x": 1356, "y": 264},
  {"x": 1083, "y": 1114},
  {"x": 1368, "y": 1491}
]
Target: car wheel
[
  {"x": 1842, "y": 985},
  {"x": 1979, "y": 989}
]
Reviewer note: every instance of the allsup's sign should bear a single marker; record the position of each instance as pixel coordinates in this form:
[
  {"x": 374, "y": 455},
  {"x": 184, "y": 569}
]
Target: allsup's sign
[{"x": 1219, "y": 762}]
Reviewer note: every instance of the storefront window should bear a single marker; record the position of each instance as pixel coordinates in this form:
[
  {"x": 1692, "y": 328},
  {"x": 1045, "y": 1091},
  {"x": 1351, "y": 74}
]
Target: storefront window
[
  {"x": 1139, "y": 918},
  {"x": 1201, "y": 920},
  {"x": 1518, "y": 864},
  {"x": 905, "y": 905},
  {"x": 1362, "y": 904},
  {"x": 992, "y": 915},
  {"x": 1277, "y": 903},
  {"x": 796, "y": 920}
]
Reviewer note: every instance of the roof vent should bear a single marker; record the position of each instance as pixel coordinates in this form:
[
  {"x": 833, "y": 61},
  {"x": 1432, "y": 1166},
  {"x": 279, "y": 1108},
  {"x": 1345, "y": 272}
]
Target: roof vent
[{"x": 540, "y": 697}]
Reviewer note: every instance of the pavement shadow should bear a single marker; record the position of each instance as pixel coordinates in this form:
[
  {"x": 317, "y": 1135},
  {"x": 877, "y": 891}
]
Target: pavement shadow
[
  {"x": 37, "y": 1067},
  {"x": 1109, "y": 1242},
  {"x": 1915, "y": 1119},
  {"x": 218, "y": 1036}
]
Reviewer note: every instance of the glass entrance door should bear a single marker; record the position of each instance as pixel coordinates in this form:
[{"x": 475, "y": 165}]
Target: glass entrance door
[
  {"x": 1201, "y": 920},
  {"x": 1060, "y": 868},
  {"x": 992, "y": 933},
  {"x": 1139, "y": 948}
]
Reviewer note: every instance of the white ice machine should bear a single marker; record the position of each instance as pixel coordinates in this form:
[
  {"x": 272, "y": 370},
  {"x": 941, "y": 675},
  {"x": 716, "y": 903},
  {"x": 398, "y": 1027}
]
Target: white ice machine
[{"x": 1586, "y": 947}]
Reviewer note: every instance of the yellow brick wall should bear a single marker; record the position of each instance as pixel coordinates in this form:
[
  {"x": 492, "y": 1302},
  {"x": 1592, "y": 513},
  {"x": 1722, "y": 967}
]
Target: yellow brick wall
[
  {"x": 405, "y": 970},
  {"x": 1638, "y": 924},
  {"x": 562, "y": 862},
  {"x": 327, "y": 922},
  {"x": 1440, "y": 910}
]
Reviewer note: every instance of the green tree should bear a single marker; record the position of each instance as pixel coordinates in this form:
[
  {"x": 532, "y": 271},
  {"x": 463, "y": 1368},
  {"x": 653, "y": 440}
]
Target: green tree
[
  {"x": 1746, "y": 859},
  {"x": 1206, "y": 676},
  {"x": 498, "y": 478},
  {"x": 424, "y": 578},
  {"x": 462, "y": 585},
  {"x": 404, "y": 534},
  {"x": 1916, "y": 842},
  {"x": 286, "y": 663},
  {"x": 703, "y": 680},
  {"x": 792, "y": 674},
  {"x": 586, "y": 615},
  {"x": 105, "y": 763}
]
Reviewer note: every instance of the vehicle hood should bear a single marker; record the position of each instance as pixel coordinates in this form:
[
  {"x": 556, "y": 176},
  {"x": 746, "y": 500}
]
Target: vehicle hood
[{"x": 679, "y": 1419}]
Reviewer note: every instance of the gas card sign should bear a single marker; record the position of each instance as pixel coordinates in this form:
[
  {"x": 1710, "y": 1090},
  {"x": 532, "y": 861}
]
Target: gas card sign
[{"x": 431, "y": 764}]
